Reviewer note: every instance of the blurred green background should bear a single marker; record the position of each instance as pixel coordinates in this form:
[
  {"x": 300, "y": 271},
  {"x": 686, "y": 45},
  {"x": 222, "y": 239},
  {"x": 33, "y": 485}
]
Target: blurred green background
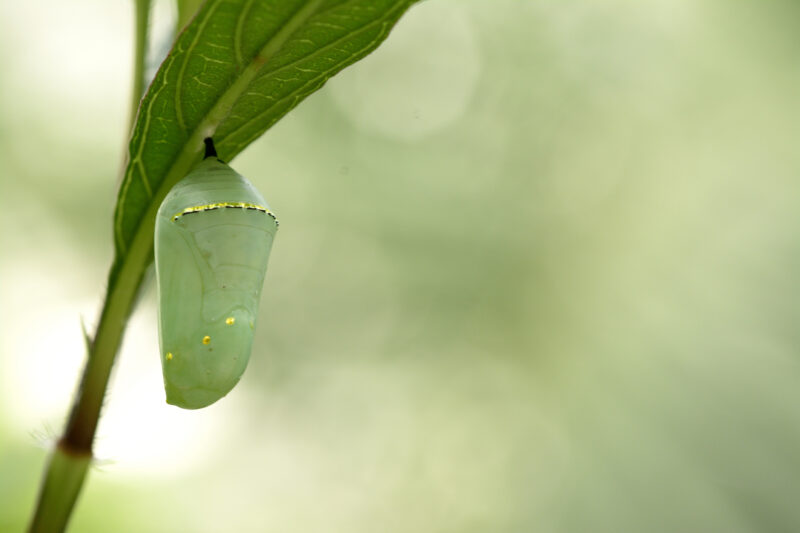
[{"x": 538, "y": 271}]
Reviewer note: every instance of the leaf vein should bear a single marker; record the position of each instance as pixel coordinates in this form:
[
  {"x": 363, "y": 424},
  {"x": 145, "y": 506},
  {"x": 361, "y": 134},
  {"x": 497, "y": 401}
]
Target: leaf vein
[
  {"x": 145, "y": 179},
  {"x": 239, "y": 31}
]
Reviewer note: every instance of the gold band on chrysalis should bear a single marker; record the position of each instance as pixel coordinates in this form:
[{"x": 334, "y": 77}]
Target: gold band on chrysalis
[{"x": 221, "y": 205}]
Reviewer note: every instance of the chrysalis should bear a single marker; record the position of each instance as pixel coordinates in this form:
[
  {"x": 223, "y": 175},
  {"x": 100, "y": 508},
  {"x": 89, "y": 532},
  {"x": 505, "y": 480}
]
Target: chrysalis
[{"x": 213, "y": 236}]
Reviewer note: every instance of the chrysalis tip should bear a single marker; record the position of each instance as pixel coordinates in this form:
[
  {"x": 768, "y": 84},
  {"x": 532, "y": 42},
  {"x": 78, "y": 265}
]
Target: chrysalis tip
[{"x": 210, "y": 150}]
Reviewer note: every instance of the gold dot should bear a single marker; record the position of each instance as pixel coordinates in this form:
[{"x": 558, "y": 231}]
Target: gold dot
[
  {"x": 169, "y": 356},
  {"x": 206, "y": 339},
  {"x": 251, "y": 325},
  {"x": 230, "y": 320}
]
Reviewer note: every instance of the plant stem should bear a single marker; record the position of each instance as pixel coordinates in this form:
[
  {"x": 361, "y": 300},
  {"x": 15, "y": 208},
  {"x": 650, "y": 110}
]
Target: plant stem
[
  {"x": 81, "y": 427},
  {"x": 65, "y": 474},
  {"x": 140, "y": 53},
  {"x": 70, "y": 460}
]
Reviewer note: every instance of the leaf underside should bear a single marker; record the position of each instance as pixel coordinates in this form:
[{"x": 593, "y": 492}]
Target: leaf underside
[{"x": 235, "y": 70}]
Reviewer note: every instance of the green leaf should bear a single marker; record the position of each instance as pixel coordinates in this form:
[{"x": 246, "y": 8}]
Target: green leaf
[
  {"x": 236, "y": 70},
  {"x": 238, "y": 67}
]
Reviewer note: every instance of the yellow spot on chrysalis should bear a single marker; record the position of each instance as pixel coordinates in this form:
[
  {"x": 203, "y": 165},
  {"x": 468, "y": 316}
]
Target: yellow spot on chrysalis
[
  {"x": 251, "y": 324},
  {"x": 206, "y": 339},
  {"x": 169, "y": 356},
  {"x": 230, "y": 320}
]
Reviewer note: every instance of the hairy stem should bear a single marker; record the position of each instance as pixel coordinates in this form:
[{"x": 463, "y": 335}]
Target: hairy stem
[
  {"x": 72, "y": 456},
  {"x": 140, "y": 56}
]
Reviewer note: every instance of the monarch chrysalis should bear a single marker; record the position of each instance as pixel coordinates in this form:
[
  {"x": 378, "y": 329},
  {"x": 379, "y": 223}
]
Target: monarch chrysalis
[{"x": 213, "y": 236}]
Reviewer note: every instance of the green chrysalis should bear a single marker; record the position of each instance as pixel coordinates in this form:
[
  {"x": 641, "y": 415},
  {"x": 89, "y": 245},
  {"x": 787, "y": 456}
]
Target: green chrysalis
[{"x": 213, "y": 236}]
